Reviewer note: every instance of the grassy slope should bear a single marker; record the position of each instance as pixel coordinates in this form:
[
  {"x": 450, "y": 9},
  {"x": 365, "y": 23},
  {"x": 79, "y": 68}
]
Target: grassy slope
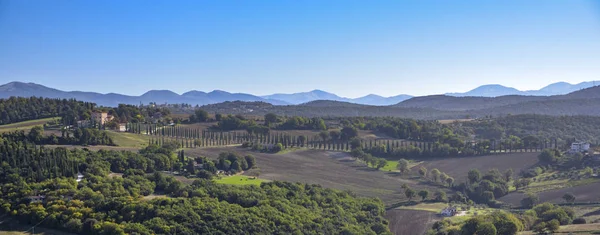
[
  {"x": 130, "y": 140},
  {"x": 239, "y": 180},
  {"x": 393, "y": 165},
  {"x": 432, "y": 207},
  {"x": 579, "y": 229},
  {"x": 18, "y": 229},
  {"x": 26, "y": 125}
]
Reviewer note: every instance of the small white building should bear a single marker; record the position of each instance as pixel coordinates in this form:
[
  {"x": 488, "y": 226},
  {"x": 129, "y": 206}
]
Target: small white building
[
  {"x": 448, "y": 211},
  {"x": 122, "y": 127},
  {"x": 198, "y": 165},
  {"x": 35, "y": 199},
  {"x": 579, "y": 147},
  {"x": 79, "y": 177},
  {"x": 84, "y": 123}
]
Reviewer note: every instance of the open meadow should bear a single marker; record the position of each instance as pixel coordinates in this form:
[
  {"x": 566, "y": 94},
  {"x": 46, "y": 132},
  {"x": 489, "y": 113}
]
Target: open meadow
[
  {"x": 26, "y": 125},
  {"x": 130, "y": 140},
  {"x": 239, "y": 180}
]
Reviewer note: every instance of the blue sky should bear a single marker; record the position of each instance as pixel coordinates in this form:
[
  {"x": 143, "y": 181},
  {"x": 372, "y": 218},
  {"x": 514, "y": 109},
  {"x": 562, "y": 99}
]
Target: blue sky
[{"x": 351, "y": 48}]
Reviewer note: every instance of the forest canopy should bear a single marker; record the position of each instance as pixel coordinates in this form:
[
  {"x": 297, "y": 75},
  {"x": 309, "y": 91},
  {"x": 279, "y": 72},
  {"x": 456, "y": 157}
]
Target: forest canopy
[{"x": 99, "y": 204}]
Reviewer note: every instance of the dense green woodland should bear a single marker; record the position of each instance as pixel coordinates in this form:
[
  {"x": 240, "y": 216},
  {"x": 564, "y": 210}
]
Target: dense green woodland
[
  {"x": 79, "y": 136},
  {"x": 537, "y": 127},
  {"x": 114, "y": 205},
  {"x": 18, "y": 109}
]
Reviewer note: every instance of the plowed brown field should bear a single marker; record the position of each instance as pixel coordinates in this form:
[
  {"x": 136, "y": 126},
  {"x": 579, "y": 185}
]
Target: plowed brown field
[{"x": 459, "y": 167}]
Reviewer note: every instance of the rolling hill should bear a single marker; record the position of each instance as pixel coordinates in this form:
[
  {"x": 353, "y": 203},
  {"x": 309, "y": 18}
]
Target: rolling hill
[
  {"x": 111, "y": 99},
  {"x": 495, "y": 90},
  {"x": 581, "y": 102},
  {"x": 304, "y": 97}
]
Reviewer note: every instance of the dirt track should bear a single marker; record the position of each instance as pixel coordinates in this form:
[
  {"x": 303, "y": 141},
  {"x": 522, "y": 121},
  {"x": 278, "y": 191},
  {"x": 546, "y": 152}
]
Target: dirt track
[
  {"x": 410, "y": 222},
  {"x": 329, "y": 169},
  {"x": 459, "y": 167},
  {"x": 583, "y": 193}
]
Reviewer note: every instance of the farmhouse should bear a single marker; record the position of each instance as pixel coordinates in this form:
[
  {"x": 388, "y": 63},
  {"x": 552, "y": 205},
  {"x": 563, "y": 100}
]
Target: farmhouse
[
  {"x": 579, "y": 147},
  {"x": 198, "y": 165},
  {"x": 101, "y": 117},
  {"x": 448, "y": 211}
]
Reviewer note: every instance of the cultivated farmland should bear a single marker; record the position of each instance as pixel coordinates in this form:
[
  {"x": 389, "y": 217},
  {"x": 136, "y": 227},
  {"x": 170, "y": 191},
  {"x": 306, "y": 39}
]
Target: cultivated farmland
[
  {"x": 329, "y": 169},
  {"x": 459, "y": 167},
  {"x": 583, "y": 193},
  {"x": 410, "y": 222},
  {"x": 25, "y": 126}
]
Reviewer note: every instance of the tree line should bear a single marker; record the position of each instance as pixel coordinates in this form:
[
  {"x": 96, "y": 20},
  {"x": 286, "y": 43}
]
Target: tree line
[
  {"x": 18, "y": 109},
  {"x": 79, "y": 136}
]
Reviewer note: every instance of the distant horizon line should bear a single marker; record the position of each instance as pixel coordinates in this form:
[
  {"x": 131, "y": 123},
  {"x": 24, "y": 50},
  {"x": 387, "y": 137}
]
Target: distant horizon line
[{"x": 310, "y": 91}]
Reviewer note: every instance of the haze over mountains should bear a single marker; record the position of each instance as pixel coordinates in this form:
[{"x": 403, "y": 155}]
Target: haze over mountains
[
  {"x": 217, "y": 96},
  {"x": 495, "y": 90},
  {"x": 304, "y": 97},
  {"x": 581, "y": 102},
  {"x": 191, "y": 97}
]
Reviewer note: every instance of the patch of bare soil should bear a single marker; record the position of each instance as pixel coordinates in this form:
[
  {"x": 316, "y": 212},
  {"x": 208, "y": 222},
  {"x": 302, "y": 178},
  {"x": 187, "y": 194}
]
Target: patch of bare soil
[
  {"x": 410, "y": 222},
  {"x": 460, "y": 167},
  {"x": 582, "y": 193}
]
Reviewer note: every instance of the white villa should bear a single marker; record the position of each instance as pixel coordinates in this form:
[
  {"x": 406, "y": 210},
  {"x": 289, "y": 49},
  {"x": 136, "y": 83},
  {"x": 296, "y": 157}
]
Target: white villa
[
  {"x": 79, "y": 177},
  {"x": 578, "y": 147},
  {"x": 449, "y": 211}
]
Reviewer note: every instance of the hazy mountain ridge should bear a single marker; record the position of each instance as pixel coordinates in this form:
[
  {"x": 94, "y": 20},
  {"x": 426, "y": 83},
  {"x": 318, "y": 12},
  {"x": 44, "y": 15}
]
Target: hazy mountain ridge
[
  {"x": 304, "y": 97},
  {"x": 495, "y": 90},
  {"x": 454, "y": 102},
  {"x": 583, "y": 102},
  {"x": 113, "y": 99}
]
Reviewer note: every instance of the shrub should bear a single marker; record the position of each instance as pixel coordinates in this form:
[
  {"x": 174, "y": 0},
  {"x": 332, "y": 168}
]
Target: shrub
[
  {"x": 277, "y": 148},
  {"x": 247, "y": 145},
  {"x": 579, "y": 221}
]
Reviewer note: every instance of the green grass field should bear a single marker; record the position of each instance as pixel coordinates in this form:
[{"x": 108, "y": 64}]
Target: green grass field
[
  {"x": 130, "y": 140},
  {"x": 289, "y": 150},
  {"x": 432, "y": 207},
  {"x": 393, "y": 165},
  {"x": 26, "y": 125},
  {"x": 239, "y": 180}
]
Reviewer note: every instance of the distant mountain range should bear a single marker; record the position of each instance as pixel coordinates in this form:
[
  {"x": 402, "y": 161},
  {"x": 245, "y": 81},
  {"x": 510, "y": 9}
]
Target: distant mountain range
[
  {"x": 581, "y": 102},
  {"x": 304, "y": 97},
  {"x": 495, "y": 90},
  {"x": 190, "y": 97},
  {"x": 217, "y": 96},
  {"x": 112, "y": 99}
]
